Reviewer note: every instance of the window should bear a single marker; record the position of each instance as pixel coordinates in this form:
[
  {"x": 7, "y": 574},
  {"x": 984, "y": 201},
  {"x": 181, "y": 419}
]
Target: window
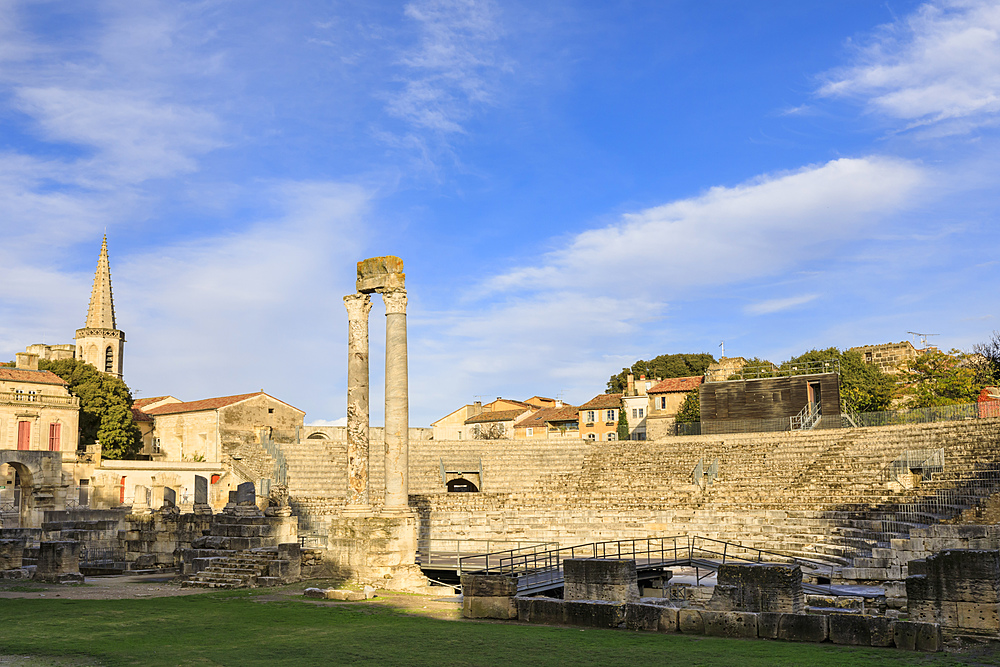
[
  {"x": 591, "y": 436},
  {"x": 612, "y": 436},
  {"x": 529, "y": 431},
  {"x": 18, "y": 394},
  {"x": 32, "y": 395},
  {"x": 640, "y": 413},
  {"x": 590, "y": 416},
  {"x": 610, "y": 416},
  {"x": 55, "y": 433},
  {"x": 270, "y": 411},
  {"x": 663, "y": 402},
  {"x": 109, "y": 360},
  {"x": 635, "y": 413}
]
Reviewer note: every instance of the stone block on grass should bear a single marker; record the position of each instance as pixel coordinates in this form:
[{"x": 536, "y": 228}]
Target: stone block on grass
[
  {"x": 803, "y": 627},
  {"x": 735, "y": 624}
]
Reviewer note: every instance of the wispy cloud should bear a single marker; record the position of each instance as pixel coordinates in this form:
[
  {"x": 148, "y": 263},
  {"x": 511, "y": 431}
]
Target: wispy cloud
[
  {"x": 937, "y": 67},
  {"x": 777, "y": 305},
  {"x": 451, "y": 72},
  {"x": 728, "y": 234}
]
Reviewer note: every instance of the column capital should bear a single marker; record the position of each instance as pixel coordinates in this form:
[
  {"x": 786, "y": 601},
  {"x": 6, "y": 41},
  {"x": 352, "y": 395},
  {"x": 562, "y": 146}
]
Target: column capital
[
  {"x": 358, "y": 306},
  {"x": 395, "y": 301}
]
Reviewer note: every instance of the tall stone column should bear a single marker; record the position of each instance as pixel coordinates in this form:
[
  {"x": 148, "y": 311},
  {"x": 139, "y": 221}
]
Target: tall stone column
[
  {"x": 397, "y": 406},
  {"x": 358, "y": 307}
]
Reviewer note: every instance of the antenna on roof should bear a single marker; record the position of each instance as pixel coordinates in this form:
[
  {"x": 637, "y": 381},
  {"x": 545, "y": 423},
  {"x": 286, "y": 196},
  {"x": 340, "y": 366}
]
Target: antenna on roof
[{"x": 923, "y": 337}]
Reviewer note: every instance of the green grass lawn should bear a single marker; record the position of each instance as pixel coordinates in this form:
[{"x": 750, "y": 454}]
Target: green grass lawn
[{"x": 237, "y": 629}]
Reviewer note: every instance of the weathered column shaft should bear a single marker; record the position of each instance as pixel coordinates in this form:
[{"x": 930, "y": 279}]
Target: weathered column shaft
[
  {"x": 358, "y": 307},
  {"x": 397, "y": 407}
]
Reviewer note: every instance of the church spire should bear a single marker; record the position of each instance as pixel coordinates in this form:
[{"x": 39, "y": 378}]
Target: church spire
[
  {"x": 99, "y": 342},
  {"x": 101, "y": 314}
]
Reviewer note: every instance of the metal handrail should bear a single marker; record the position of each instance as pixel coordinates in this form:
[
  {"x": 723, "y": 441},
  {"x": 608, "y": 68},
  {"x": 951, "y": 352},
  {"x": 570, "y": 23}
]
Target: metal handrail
[
  {"x": 760, "y": 553},
  {"x": 462, "y": 550}
]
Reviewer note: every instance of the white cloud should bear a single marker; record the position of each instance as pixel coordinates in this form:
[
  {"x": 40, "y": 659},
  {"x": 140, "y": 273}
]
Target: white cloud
[
  {"x": 135, "y": 138},
  {"x": 450, "y": 72},
  {"x": 727, "y": 234},
  {"x": 212, "y": 316},
  {"x": 939, "y": 66},
  {"x": 776, "y": 305}
]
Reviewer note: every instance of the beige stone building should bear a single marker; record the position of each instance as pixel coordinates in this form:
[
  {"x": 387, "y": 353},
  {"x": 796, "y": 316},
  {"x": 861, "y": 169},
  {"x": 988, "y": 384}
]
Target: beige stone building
[
  {"x": 890, "y": 358},
  {"x": 665, "y": 399},
  {"x": 37, "y": 412},
  {"x": 456, "y": 425},
  {"x": 555, "y": 422},
  {"x": 599, "y": 417},
  {"x": 210, "y": 429}
]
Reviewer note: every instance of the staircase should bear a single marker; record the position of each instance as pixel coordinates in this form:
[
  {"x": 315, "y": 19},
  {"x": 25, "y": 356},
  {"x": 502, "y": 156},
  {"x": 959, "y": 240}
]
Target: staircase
[{"x": 244, "y": 569}]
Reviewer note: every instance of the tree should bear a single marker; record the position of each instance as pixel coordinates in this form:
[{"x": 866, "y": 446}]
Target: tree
[
  {"x": 986, "y": 361},
  {"x": 622, "y": 425},
  {"x": 690, "y": 410},
  {"x": 863, "y": 387},
  {"x": 105, "y": 407},
  {"x": 663, "y": 366},
  {"x": 936, "y": 378}
]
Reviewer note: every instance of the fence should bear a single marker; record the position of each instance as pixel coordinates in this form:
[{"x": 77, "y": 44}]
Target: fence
[{"x": 941, "y": 413}]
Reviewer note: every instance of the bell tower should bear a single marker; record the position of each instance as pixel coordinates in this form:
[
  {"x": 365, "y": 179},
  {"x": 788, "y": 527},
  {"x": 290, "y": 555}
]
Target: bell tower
[{"x": 99, "y": 342}]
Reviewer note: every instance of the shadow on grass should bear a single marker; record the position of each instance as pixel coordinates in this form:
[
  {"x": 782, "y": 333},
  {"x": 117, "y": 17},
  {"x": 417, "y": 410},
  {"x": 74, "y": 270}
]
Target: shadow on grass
[{"x": 230, "y": 629}]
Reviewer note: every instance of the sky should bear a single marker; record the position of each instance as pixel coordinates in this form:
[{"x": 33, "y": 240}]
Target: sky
[{"x": 572, "y": 185}]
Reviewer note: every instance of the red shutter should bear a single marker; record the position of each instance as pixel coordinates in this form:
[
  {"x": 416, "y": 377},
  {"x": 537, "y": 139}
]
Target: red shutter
[
  {"x": 23, "y": 435},
  {"x": 55, "y": 433}
]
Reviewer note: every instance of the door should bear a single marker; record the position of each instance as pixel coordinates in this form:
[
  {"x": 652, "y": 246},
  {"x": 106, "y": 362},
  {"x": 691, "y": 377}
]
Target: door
[{"x": 23, "y": 435}]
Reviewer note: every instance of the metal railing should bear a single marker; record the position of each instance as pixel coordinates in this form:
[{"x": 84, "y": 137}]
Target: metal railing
[
  {"x": 941, "y": 413},
  {"x": 807, "y": 418},
  {"x": 926, "y": 461},
  {"x": 761, "y": 372},
  {"x": 447, "y": 553},
  {"x": 719, "y": 552},
  {"x": 544, "y": 568}
]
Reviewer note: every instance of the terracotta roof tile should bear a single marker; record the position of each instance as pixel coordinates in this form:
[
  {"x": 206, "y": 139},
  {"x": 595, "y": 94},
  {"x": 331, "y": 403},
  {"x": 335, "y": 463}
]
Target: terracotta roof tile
[
  {"x": 25, "y": 375},
  {"x": 139, "y": 402},
  {"x": 602, "y": 402},
  {"x": 205, "y": 404},
  {"x": 501, "y": 416},
  {"x": 677, "y": 384},
  {"x": 540, "y": 418},
  {"x": 140, "y": 416}
]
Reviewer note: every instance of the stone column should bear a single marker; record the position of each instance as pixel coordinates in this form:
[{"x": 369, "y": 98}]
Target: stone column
[
  {"x": 397, "y": 407},
  {"x": 358, "y": 307}
]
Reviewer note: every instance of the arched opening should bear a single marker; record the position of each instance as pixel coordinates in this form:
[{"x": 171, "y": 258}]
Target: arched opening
[
  {"x": 461, "y": 485},
  {"x": 16, "y": 485},
  {"x": 318, "y": 435},
  {"x": 109, "y": 360}
]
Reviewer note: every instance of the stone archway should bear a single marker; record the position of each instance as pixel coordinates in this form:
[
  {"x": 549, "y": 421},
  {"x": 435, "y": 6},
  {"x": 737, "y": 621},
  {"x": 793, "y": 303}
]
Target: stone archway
[{"x": 40, "y": 476}]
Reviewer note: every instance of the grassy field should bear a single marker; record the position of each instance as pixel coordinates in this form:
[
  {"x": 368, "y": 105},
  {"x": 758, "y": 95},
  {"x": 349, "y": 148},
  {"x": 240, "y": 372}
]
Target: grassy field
[{"x": 241, "y": 628}]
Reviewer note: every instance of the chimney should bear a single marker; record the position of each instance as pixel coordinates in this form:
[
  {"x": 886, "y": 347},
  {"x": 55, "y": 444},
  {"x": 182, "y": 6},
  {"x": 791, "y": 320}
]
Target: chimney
[
  {"x": 630, "y": 389},
  {"x": 559, "y": 403},
  {"x": 27, "y": 361},
  {"x": 477, "y": 408}
]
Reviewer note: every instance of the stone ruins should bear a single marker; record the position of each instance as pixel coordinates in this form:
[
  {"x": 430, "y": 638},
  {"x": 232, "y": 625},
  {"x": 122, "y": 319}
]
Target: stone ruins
[{"x": 879, "y": 536}]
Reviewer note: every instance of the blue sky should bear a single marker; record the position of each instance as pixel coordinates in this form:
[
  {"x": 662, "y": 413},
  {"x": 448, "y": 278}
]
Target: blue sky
[{"x": 572, "y": 185}]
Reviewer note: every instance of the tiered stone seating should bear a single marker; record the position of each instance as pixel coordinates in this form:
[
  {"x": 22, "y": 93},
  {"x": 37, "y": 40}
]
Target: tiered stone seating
[{"x": 819, "y": 494}]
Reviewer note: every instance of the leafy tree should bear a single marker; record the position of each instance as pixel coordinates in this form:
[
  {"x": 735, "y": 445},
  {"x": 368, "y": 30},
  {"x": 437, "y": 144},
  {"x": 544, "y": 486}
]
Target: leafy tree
[
  {"x": 935, "y": 378},
  {"x": 663, "y": 366},
  {"x": 863, "y": 387},
  {"x": 105, "y": 407},
  {"x": 690, "y": 410},
  {"x": 986, "y": 360},
  {"x": 755, "y": 367},
  {"x": 622, "y": 424}
]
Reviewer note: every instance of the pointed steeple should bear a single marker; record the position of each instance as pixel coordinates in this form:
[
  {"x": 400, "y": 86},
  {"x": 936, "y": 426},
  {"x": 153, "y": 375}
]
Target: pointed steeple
[
  {"x": 99, "y": 342},
  {"x": 101, "y": 313}
]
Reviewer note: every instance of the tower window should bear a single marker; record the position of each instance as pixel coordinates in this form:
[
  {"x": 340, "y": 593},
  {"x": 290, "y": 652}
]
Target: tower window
[{"x": 109, "y": 360}]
